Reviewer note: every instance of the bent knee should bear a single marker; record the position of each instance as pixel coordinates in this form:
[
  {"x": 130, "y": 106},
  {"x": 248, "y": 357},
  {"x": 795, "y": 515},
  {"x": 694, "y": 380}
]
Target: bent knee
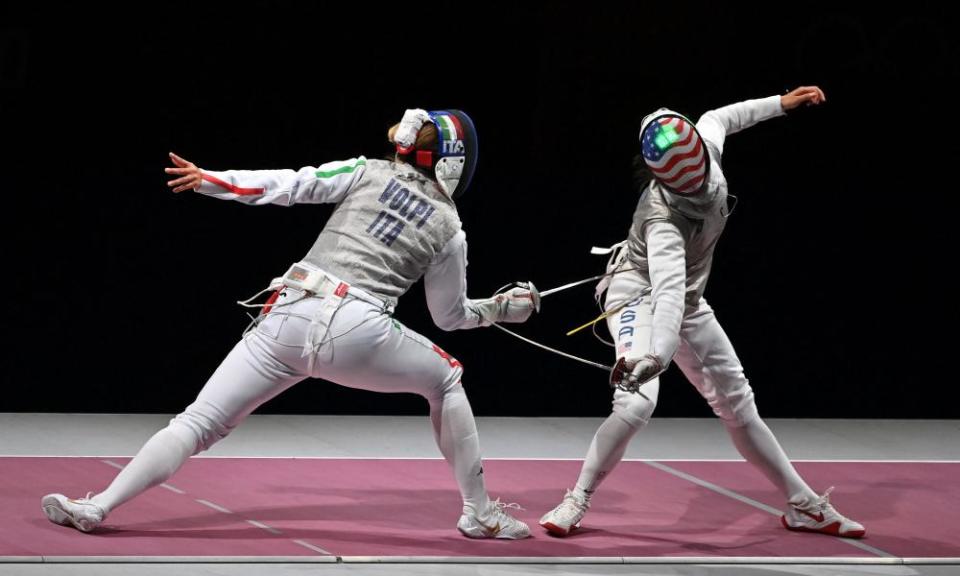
[
  {"x": 633, "y": 408},
  {"x": 437, "y": 388},
  {"x": 736, "y": 408},
  {"x": 204, "y": 423}
]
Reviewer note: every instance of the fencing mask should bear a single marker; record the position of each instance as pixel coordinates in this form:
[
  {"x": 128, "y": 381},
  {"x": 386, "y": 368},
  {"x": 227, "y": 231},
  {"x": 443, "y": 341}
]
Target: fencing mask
[
  {"x": 674, "y": 152},
  {"x": 455, "y": 159}
]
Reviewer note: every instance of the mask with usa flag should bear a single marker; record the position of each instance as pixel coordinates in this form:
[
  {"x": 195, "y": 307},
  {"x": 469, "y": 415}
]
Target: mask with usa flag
[{"x": 674, "y": 152}]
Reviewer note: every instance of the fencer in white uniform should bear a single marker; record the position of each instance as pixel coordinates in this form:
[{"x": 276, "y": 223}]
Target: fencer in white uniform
[
  {"x": 656, "y": 311},
  {"x": 330, "y": 315}
]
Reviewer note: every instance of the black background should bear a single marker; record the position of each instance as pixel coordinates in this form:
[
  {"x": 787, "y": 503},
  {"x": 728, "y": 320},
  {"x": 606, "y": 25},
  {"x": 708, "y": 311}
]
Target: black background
[{"x": 833, "y": 279}]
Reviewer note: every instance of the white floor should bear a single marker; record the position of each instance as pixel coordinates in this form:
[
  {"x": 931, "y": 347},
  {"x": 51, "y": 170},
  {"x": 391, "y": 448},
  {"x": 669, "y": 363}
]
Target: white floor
[{"x": 373, "y": 437}]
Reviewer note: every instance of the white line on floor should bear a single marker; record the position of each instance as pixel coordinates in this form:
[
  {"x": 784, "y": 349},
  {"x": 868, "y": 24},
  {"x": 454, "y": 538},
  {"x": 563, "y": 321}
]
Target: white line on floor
[
  {"x": 269, "y": 529},
  {"x": 311, "y": 547},
  {"x": 755, "y": 503},
  {"x": 216, "y": 507}
]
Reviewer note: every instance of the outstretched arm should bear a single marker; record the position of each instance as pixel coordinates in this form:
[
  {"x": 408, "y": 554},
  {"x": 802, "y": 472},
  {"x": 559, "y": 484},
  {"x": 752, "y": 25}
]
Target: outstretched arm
[
  {"x": 802, "y": 96},
  {"x": 716, "y": 125},
  {"x": 445, "y": 283},
  {"x": 329, "y": 182}
]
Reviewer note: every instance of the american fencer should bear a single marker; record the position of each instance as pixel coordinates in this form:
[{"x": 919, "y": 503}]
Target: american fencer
[{"x": 657, "y": 314}]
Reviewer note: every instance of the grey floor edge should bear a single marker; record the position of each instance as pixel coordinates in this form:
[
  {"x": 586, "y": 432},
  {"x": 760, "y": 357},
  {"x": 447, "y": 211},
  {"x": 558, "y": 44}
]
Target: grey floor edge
[{"x": 46, "y": 434}]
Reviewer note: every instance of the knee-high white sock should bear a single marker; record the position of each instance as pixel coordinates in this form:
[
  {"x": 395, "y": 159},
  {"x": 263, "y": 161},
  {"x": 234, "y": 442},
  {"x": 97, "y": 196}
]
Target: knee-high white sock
[
  {"x": 606, "y": 450},
  {"x": 759, "y": 446},
  {"x": 160, "y": 457},
  {"x": 455, "y": 431}
]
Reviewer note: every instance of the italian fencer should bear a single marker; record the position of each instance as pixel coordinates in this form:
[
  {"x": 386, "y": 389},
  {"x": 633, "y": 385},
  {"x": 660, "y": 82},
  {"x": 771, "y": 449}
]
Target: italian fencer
[{"x": 330, "y": 316}]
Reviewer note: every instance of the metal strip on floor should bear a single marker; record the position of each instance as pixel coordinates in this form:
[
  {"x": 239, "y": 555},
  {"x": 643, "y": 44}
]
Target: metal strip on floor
[{"x": 732, "y": 560}]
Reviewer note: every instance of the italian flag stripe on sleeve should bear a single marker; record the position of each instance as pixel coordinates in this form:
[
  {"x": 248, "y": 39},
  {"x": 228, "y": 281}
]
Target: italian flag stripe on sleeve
[
  {"x": 346, "y": 169},
  {"x": 232, "y": 187}
]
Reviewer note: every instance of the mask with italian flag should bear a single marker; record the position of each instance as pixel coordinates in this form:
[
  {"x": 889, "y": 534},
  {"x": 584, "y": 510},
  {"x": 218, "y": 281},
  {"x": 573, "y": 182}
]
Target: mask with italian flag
[{"x": 457, "y": 151}]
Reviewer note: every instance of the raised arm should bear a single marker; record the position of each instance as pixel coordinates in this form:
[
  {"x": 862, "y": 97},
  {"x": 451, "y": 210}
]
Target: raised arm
[
  {"x": 716, "y": 125},
  {"x": 328, "y": 182}
]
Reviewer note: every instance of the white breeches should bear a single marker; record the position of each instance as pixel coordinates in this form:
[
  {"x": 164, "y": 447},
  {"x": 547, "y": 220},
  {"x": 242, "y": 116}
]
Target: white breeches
[
  {"x": 705, "y": 356},
  {"x": 364, "y": 348}
]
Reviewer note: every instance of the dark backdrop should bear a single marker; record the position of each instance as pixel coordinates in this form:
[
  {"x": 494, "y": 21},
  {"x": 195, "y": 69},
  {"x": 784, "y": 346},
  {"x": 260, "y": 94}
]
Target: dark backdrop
[{"x": 834, "y": 278}]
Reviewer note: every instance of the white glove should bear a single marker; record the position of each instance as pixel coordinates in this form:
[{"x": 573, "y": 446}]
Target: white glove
[
  {"x": 406, "y": 134},
  {"x": 630, "y": 379},
  {"x": 514, "y": 305},
  {"x": 645, "y": 370}
]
